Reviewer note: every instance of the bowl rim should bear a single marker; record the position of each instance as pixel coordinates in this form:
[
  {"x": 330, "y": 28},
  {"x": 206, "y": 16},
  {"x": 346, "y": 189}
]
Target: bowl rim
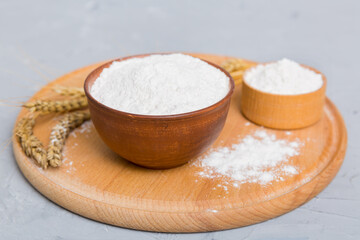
[
  {"x": 172, "y": 116},
  {"x": 323, "y": 86}
]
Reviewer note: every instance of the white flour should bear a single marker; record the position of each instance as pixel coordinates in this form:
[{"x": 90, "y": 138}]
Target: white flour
[
  {"x": 85, "y": 128},
  {"x": 283, "y": 77},
  {"x": 258, "y": 158},
  {"x": 160, "y": 85}
]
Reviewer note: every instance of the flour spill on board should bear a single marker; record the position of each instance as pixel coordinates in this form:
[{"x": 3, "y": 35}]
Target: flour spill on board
[
  {"x": 69, "y": 165},
  {"x": 258, "y": 158},
  {"x": 84, "y": 130}
]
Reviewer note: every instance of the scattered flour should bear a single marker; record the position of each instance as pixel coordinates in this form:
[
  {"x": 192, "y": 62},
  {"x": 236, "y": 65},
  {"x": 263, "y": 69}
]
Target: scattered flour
[
  {"x": 68, "y": 164},
  {"x": 212, "y": 210},
  {"x": 160, "y": 85},
  {"x": 283, "y": 77},
  {"x": 258, "y": 158},
  {"x": 85, "y": 128}
]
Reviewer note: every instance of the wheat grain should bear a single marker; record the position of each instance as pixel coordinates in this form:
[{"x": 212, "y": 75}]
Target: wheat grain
[
  {"x": 236, "y": 67},
  {"x": 59, "y": 134},
  {"x": 30, "y": 144},
  {"x": 237, "y": 76},
  {"x": 51, "y": 106},
  {"x": 69, "y": 91},
  {"x": 236, "y": 64}
]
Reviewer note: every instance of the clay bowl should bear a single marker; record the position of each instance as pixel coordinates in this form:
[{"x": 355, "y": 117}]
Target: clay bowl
[
  {"x": 283, "y": 111},
  {"x": 157, "y": 142}
]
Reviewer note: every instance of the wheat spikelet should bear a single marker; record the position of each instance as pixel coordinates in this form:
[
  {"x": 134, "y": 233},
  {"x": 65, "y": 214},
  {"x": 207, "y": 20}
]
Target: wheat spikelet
[
  {"x": 69, "y": 91},
  {"x": 236, "y": 67},
  {"x": 51, "y": 106},
  {"x": 236, "y": 64},
  {"x": 59, "y": 134},
  {"x": 30, "y": 144}
]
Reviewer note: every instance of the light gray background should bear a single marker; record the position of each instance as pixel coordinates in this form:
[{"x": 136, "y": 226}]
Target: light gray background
[{"x": 42, "y": 40}]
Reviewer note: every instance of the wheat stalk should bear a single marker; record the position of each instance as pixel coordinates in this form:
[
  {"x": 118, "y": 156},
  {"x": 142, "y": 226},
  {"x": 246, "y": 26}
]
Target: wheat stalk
[
  {"x": 236, "y": 67},
  {"x": 236, "y": 64},
  {"x": 69, "y": 91},
  {"x": 30, "y": 144},
  {"x": 51, "y": 106},
  {"x": 59, "y": 134}
]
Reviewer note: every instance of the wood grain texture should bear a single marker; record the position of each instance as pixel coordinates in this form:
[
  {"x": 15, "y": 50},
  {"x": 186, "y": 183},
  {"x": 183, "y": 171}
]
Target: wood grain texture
[
  {"x": 283, "y": 111},
  {"x": 96, "y": 183}
]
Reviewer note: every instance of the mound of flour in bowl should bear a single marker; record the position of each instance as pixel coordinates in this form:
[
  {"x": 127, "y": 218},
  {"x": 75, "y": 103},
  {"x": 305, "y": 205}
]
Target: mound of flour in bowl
[
  {"x": 283, "y": 77},
  {"x": 160, "y": 85}
]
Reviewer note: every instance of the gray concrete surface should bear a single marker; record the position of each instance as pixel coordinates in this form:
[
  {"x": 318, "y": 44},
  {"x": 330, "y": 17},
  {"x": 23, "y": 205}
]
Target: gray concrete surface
[{"x": 41, "y": 40}]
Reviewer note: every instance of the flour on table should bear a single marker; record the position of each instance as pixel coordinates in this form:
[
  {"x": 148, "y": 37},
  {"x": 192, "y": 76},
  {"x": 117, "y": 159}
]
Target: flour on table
[{"x": 259, "y": 158}]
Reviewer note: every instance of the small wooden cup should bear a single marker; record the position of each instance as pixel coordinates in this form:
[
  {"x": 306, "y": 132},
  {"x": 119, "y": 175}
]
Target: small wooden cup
[{"x": 283, "y": 111}]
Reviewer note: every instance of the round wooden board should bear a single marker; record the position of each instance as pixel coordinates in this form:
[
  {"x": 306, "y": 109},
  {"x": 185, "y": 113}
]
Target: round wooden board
[{"x": 96, "y": 183}]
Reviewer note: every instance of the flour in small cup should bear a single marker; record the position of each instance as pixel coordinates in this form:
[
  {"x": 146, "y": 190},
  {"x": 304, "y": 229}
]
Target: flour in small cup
[
  {"x": 160, "y": 85},
  {"x": 284, "y": 77}
]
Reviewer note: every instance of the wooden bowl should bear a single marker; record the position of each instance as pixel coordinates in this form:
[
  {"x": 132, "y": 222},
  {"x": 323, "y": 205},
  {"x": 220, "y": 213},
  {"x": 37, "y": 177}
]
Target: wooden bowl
[
  {"x": 283, "y": 111},
  {"x": 157, "y": 142}
]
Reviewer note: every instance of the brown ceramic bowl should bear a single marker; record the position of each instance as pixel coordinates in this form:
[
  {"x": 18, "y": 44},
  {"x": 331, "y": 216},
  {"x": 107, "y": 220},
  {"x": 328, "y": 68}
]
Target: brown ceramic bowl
[{"x": 158, "y": 142}]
